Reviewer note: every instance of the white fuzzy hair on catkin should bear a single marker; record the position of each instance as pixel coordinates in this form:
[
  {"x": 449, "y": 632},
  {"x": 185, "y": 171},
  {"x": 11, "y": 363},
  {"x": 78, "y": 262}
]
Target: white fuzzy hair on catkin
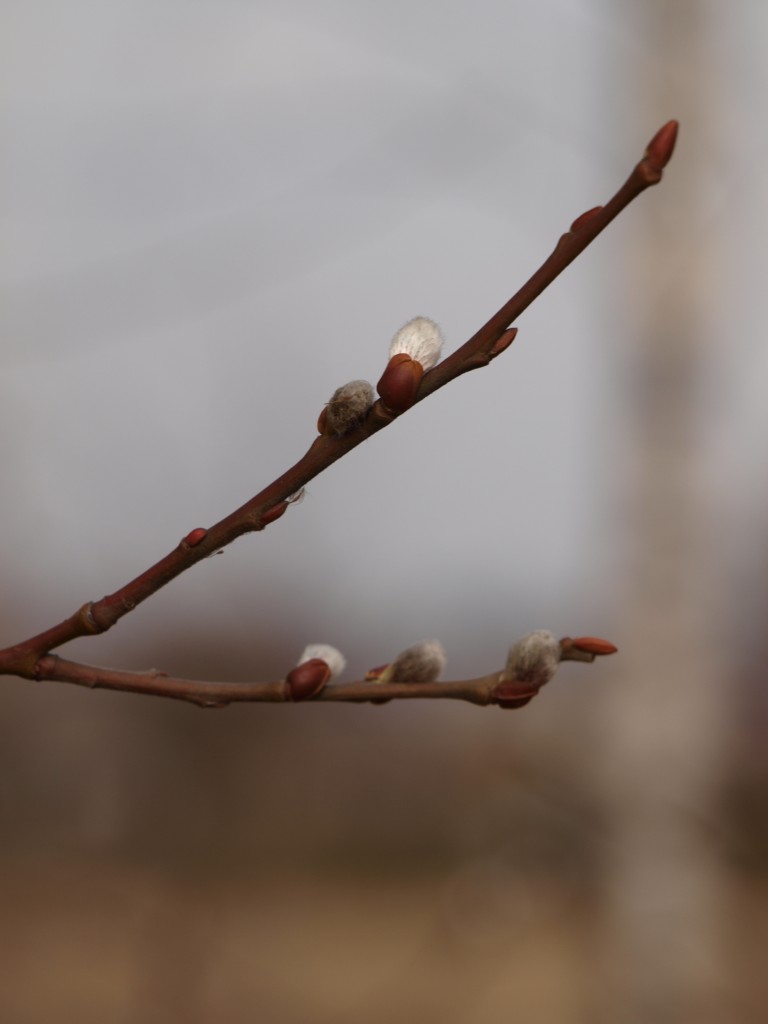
[
  {"x": 348, "y": 405},
  {"x": 332, "y": 657},
  {"x": 421, "y": 339},
  {"x": 422, "y": 663},
  {"x": 534, "y": 658}
]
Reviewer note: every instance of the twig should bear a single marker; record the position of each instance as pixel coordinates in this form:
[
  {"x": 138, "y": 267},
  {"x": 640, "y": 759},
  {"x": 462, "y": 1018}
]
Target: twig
[
  {"x": 24, "y": 659},
  {"x": 497, "y": 688}
]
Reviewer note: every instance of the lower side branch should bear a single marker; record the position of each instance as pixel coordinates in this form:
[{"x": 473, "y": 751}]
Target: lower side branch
[{"x": 532, "y": 662}]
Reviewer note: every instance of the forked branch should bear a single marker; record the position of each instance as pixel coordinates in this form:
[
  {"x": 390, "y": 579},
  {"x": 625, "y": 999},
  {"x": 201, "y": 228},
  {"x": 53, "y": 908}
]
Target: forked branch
[{"x": 32, "y": 659}]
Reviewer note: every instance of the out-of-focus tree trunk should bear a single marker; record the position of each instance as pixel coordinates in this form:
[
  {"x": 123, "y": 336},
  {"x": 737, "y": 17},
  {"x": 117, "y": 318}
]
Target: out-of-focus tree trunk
[{"x": 664, "y": 720}]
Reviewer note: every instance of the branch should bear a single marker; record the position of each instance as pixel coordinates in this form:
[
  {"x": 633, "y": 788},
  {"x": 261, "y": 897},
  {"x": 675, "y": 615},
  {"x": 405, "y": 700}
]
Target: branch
[
  {"x": 532, "y": 663},
  {"x": 269, "y": 504}
]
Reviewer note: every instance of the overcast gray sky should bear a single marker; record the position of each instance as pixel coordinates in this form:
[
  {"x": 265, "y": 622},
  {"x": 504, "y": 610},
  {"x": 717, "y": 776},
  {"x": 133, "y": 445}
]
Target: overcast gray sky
[{"x": 214, "y": 214}]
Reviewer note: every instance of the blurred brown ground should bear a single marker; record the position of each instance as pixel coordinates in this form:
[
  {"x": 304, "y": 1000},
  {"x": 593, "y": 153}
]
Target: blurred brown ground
[{"x": 324, "y": 864}]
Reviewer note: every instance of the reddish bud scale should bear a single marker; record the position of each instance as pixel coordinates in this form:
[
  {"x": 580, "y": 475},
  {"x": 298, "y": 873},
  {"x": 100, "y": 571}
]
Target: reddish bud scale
[
  {"x": 514, "y": 694},
  {"x": 372, "y": 675},
  {"x": 375, "y": 673},
  {"x": 307, "y": 679},
  {"x": 504, "y": 342},
  {"x": 273, "y": 513},
  {"x": 194, "y": 537},
  {"x": 662, "y": 146},
  {"x": 399, "y": 383},
  {"x": 593, "y": 645},
  {"x": 322, "y": 420},
  {"x": 584, "y": 218}
]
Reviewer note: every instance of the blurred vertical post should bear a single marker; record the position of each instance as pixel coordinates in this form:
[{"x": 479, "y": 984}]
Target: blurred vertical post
[{"x": 663, "y": 742}]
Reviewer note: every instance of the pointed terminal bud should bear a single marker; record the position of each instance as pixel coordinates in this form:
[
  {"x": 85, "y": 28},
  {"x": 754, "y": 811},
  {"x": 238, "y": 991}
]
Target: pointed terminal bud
[
  {"x": 594, "y": 645},
  {"x": 531, "y": 663},
  {"x": 346, "y": 408},
  {"x": 415, "y": 349},
  {"x": 662, "y": 146},
  {"x": 317, "y": 664},
  {"x": 585, "y": 648}
]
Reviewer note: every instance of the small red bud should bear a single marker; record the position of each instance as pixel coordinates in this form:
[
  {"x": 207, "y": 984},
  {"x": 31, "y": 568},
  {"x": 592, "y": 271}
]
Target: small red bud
[
  {"x": 194, "y": 537},
  {"x": 593, "y": 645},
  {"x": 400, "y": 382},
  {"x": 372, "y": 676},
  {"x": 307, "y": 679},
  {"x": 273, "y": 513},
  {"x": 504, "y": 342},
  {"x": 375, "y": 673},
  {"x": 514, "y": 694},
  {"x": 662, "y": 146},
  {"x": 584, "y": 218}
]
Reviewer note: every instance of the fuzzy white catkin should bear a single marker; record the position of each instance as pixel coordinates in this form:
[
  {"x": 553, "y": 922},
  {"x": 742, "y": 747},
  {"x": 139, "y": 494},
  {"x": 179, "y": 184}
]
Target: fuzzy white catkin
[
  {"x": 421, "y": 339},
  {"x": 422, "y": 663},
  {"x": 534, "y": 658},
  {"x": 333, "y": 658},
  {"x": 348, "y": 405}
]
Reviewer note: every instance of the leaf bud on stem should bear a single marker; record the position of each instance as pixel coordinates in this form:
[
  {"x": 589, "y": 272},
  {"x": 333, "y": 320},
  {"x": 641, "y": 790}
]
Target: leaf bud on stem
[
  {"x": 195, "y": 537},
  {"x": 274, "y": 513}
]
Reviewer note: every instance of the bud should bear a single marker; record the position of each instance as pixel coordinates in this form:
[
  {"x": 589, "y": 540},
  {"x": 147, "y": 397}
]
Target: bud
[
  {"x": 420, "y": 339},
  {"x": 318, "y": 664},
  {"x": 273, "y": 513},
  {"x": 584, "y": 218},
  {"x": 347, "y": 406},
  {"x": 422, "y": 663},
  {"x": 415, "y": 348},
  {"x": 531, "y": 663},
  {"x": 662, "y": 145},
  {"x": 195, "y": 537},
  {"x": 593, "y": 645}
]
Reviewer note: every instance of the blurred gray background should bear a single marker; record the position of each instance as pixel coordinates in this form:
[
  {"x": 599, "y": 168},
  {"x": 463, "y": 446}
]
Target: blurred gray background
[{"x": 213, "y": 214}]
